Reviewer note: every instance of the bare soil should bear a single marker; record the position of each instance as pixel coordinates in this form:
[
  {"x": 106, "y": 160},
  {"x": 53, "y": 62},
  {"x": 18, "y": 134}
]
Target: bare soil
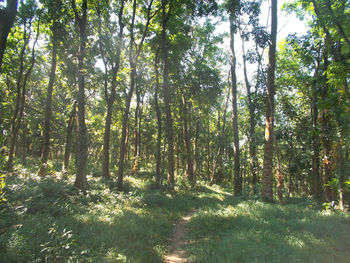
[{"x": 177, "y": 242}]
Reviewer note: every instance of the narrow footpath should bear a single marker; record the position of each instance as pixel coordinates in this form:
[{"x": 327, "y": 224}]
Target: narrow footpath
[{"x": 177, "y": 241}]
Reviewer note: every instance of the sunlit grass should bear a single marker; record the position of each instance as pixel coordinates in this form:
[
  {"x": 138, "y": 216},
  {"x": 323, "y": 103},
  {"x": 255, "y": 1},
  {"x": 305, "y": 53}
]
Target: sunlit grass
[
  {"x": 252, "y": 231},
  {"x": 45, "y": 221}
]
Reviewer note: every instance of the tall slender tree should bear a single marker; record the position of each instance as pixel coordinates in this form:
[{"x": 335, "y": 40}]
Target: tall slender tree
[
  {"x": 159, "y": 121},
  {"x": 234, "y": 10},
  {"x": 110, "y": 96},
  {"x": 167, "y": 6},
  {"x": 81, "y": 22},
  {"x": 266, "y": 190},
  {"x": 134, "y": 54},
  {"x": 53, "y": 16}
]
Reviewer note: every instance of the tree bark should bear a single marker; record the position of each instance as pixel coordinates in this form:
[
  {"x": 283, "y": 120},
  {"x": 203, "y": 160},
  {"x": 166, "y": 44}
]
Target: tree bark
[
  {"x": 169, "y": 133},
  {"x": 7, "y": 19},
  {"x": 315, "y": 137},
  {"x": 80, "y": 179},
  {"x": 236, "y": 151},
  {"x": 196, "y": 161},
  {"x": 326, "y": 130},
  {"x": 137, "y": 135},
  {"x": 266, "y": 190},
  {"x": 159, "y": 124},
  {"x": 187, "y": 139},
  {"x": 123, "y": 140}
]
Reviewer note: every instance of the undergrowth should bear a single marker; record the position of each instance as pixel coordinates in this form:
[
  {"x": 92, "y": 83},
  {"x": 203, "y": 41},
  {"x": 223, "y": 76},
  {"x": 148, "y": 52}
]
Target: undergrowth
[
  {"x": 44, "y": 220},
  {"x": 253, "y": 231}
]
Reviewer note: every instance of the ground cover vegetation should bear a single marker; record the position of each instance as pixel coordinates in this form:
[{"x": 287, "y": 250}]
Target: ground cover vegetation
[{"x": 117, "y": 117}]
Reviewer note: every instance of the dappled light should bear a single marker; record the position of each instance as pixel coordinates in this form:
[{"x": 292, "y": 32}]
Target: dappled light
[{"x": 160, "y": 131}]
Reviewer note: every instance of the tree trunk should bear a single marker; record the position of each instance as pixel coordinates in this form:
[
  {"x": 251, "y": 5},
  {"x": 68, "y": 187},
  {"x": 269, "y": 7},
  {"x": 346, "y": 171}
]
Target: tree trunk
[
  {"x": 72, "y": 119},
  {"x": 80, "y": 179},
  {"x": 110, "y": 97},
  {"x": 218, "y": 159},
  {"x": 279, "y": 175},
  {"x": 21, "y": 93},
  {"x": 236, "y": 152},
  {"x": 123, "y": 140},
  {"x": 315, "y": 137},
  {"x": 196, "y": 152},
  {"x": 159, "y": 125},
  {"x": 48, "y": 109},
  {"x": 133, "y": 58},
  {"x": 326, "y": 130},
  {"x": 187, "y": 140},
  {"x": 266, "y": 190},
  {"x": 137, "y": 120},
  {"x": 106, "y": 141},
  {"x": 169, "y": 133},
  {"x": 7, "y": 19}
]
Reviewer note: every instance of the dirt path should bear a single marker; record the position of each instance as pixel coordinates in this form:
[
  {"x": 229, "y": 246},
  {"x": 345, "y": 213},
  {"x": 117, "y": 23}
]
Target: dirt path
[{"x": 177, "y": 241}]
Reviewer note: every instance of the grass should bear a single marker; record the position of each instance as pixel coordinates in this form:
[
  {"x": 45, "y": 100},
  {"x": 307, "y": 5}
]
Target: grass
[
  {"x": 253, "y": 231},
  {"x": 45, "y": 221}
]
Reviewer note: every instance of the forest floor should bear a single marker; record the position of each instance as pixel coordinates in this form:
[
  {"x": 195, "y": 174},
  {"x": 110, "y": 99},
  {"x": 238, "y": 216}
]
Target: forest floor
[{"x": 43, "y": 220}]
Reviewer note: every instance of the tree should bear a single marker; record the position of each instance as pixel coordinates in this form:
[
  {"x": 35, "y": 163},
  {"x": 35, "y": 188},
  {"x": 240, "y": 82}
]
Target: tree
[
  {"x": 167, "y": 6},
  {"x": 159, "y": 121},
  {"x": 54, "y": 9},
  {"x": 81, "y": 21},
  {"x": 7, "y": 19},
  {"x": 134, "y": 53},
  {"x": 236, "y": 153},
  {"x": 28, "y": 15},
  {"x": 266, "y": 190},
  {"x": 105, "y": 37}
]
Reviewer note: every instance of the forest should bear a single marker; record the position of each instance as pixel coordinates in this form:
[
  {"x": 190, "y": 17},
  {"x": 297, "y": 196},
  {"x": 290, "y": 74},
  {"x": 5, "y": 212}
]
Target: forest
[{"x": 174, "y": 131}]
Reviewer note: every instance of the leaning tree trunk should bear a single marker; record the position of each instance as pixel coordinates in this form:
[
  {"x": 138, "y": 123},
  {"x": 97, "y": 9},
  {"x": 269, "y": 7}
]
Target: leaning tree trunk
[
  {"x": 266, "y": 190},
  {"x": 236, "y": 152},
  {"x": 7, "y": 19}
]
